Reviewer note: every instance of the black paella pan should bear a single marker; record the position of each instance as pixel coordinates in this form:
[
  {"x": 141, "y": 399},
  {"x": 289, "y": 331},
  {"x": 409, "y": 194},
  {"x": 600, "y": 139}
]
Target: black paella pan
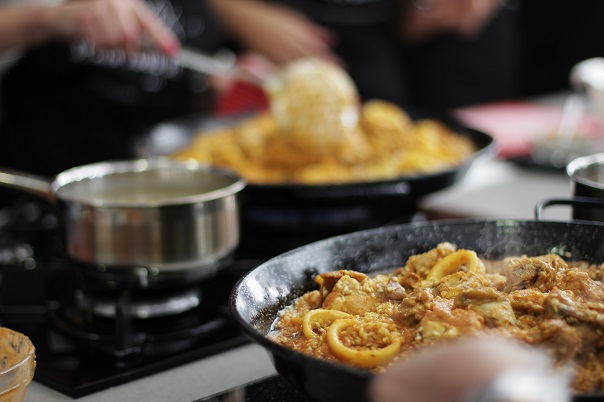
[
  {"x": 257, "y": 298},
  {"x": 170, "y": 136},
  {"x": 278, "y": 217}
]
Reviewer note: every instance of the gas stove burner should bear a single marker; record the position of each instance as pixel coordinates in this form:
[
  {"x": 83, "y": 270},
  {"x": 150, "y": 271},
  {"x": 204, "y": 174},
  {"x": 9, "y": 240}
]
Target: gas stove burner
[
  {"x": 124, "y": 337},
  {"x": 146, "y": 307},
  {"x": 96, "y": 327}
]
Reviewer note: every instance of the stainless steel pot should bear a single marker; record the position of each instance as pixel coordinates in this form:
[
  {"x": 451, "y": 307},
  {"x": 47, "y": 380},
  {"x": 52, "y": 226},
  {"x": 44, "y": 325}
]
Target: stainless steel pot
[
  {"x": 586, "y": 176},
  {"x": 144, "y": 218}
]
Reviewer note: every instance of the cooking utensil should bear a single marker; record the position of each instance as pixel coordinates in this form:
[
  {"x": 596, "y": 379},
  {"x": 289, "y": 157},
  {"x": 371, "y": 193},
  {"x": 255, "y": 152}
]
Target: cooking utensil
[
  {"x": 309, "y": 98},
  {"x": 256, "y": 299},
  {"x": 587, "y": 178},
  {"x": 205, "y": 64},
  {"x": 148, "y": 221},
  {"x": 586, "y": 175}
]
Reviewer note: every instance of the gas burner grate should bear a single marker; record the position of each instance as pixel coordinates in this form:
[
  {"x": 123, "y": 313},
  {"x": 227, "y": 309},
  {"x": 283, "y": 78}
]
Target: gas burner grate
[
  {"x": 124, "y": 338},
  {"x": 77, "y": 359}
]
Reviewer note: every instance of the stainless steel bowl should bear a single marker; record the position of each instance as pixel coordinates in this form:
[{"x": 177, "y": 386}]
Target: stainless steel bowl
[{"x": 148, "y": 216}]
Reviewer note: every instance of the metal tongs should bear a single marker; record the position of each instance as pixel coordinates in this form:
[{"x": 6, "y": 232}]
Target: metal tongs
[{"x": 200, "y": 62}]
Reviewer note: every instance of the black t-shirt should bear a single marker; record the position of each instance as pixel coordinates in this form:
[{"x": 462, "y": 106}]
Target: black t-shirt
[{"x": 443, "y": 72}]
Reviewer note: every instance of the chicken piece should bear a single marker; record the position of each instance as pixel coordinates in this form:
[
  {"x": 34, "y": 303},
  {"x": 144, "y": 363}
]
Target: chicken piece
[
  {"x": 450, "y": 286},
  {"x": 528, "y": 302},
  {"x": 433, "y": 330},
  {"x": 561, "y": 303},
  {"x": 413, "y": 308},
  {"x": 408, "y": 280},
  {"x": 394, "y": 290},
  {"x": 421, "y": 264},
  {"x": 443, "y": 321},
  {"x": 496, "y": 312},
  {"x": 582, "y": 285},
  {"x": 537, "y": 272},
  {"x": 493, "y": 305},
  {"x": 328, "y": 280},
  {"x": 350, "y": 296}
]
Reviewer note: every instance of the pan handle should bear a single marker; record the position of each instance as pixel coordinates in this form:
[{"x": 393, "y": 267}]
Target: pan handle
[
  {"x": 35, "y": 185},
  {"x": 574, "y": 201}
]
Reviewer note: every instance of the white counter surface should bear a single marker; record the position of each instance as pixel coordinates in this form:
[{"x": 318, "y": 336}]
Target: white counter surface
[
  {"x": 186, "y": 383},
  {"x": 496, "y": 189}
]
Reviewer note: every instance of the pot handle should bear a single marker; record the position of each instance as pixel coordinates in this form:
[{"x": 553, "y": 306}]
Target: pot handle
[
  {"x": 35, "y": 185},
  {"x": 574, "y": 201}
]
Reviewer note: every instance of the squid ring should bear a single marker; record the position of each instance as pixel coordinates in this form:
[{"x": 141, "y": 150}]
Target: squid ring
[
  {"x": 453, "y": 261},
  {"x": 361, "y": 358},
  {"x": 320, "y": 316}
]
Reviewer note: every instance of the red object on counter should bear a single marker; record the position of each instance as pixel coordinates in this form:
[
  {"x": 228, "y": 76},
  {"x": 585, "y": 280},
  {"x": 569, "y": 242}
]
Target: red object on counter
[{"x": 516, "y": 124}]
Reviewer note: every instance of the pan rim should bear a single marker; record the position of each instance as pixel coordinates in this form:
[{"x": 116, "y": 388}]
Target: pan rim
[
  {"x": 484, "y": 142},
  {"x": 113, "y": 167}
]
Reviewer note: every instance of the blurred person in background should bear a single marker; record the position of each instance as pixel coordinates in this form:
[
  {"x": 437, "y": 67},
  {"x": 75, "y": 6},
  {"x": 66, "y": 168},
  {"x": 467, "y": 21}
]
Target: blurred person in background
[
  {"x": 106, "y": 23},
  {"x": 83, "y": 78},
  {"x": 431, "y": 54},
  {"x": 558, "y": 34}
]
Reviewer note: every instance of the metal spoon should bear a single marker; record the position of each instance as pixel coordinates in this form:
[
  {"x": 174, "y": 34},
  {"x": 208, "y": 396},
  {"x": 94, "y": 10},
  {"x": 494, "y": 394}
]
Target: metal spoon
[{"x": 200, "y": 62}]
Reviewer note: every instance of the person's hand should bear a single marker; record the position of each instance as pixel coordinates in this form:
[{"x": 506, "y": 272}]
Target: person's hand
[
  {"x": 125, "y": 24},
  {"x": 466, "y": 18},
  {"x": 278, "y": 33},
  {"x": 471, "y": 369}
]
